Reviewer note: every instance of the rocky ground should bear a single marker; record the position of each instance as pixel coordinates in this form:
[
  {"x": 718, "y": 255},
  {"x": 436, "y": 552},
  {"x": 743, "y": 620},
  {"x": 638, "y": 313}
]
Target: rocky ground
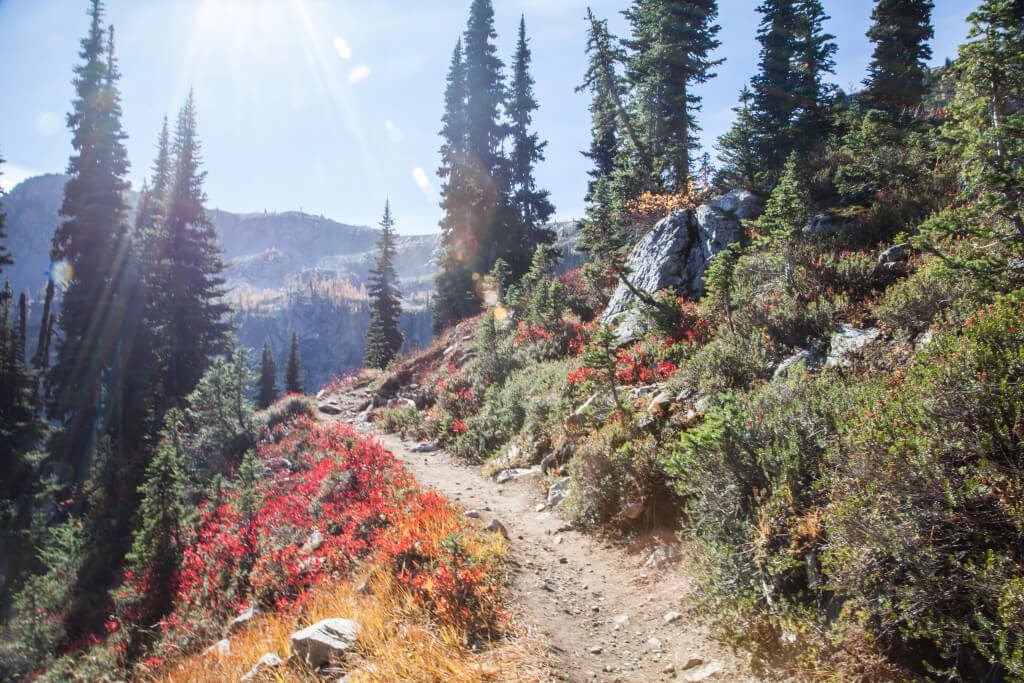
[{"x": 608, "y": 612}]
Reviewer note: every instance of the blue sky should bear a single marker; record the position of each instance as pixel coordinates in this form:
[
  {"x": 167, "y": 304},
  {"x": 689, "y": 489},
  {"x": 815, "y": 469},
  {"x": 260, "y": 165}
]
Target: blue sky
[{"x": 333, "y": 105}]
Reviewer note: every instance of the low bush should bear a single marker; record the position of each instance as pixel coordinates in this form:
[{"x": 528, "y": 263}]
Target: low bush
[
  {"x": 287, "y": 409},
  {"x": 926, "y": 520}
]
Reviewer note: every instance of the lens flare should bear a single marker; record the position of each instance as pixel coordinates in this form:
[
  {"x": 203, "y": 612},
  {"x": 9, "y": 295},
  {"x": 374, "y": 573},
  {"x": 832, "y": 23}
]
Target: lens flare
[{"x": 61, "y": 273}]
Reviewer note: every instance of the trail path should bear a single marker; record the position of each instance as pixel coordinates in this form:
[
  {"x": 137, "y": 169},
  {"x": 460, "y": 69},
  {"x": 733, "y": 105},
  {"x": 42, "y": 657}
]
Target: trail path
[{"x": 605, "y": 616}]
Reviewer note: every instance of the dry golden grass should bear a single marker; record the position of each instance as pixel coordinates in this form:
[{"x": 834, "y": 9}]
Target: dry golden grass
[{"x": 398, "y": 642}]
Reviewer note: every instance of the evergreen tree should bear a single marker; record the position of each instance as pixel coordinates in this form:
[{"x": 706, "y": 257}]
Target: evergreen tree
[
  {"x": 454, "y": 296},
  {"x": 532, "y": 206},
  {"x": 671, "y": 45},
  {"x": 5, "y": 252},
  {"x": 188, "y": 270},
  {"x": 737, "y": 148},
  {"x": 775, "y": 87},
  {"x": 383, "y": 338},
  {"x": 813, "y": 58},
  {"x": 786, "y": 213},
  {"x": 600, "y": 232},
  {"x": 293, "y": 371},
  {"x": 489, "y": 182},
  {"x": 268, "y": 378},
  {"x": 159, "y": 541},
  {"x": 984, "y": 232},
  {"x": 20, "y": 427},
  {"x": 93, "y": 241},
  {"x": 900, "y": 31}
]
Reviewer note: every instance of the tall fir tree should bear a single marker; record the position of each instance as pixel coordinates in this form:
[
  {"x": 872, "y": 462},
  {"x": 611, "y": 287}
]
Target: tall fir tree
[
  {"x": 93, "y": 241},
  {"x": 293, "y": 371},
  {"x": 814, "y": 58},
  {"x": 383, "y": 338},
  {"x": 532, "y": 205},
  {"x": 268, "y": 378},
  {"x": 671, "y": 44},
  {"x": 454, "y": 296},
  {"x": 188, "y": 271},
  {"x": 900, "y": 31},
  {"x": 775, "y": 86},
  {"x": 599, "y": 231}
]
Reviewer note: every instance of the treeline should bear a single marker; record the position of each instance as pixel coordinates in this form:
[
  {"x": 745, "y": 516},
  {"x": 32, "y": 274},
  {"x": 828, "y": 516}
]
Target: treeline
[{"x": 133, "y": 318}]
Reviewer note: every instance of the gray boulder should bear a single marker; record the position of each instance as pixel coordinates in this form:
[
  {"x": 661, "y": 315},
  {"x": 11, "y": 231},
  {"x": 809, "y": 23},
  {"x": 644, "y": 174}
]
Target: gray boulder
[
  {"x": 824, "y": 224},
  {"x": 676, "y": 253},
  {"x": 558, "y": 491},
  {"x": 517, "y": 473},
  {"x": 846, "y": 341},
  {"x": 265, "y": 664},
  {"x": 324, "y": 642},
  {"x": 812, "y": 358}
]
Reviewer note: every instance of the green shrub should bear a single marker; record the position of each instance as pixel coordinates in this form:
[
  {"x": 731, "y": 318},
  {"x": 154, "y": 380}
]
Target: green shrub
[
  {"x": 732, "y": 360},
  {"x": 613, "y": 468},
  {"x": 926, "y": 521},
  {"x": 406, "y": 421},
  {"x": 286, "y": 410},
  {"x": 748, "y": 475},
  {"x": 934, "y": 293}
]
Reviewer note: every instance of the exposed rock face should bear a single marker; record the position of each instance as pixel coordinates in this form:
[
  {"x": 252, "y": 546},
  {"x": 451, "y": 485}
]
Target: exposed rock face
[
  {"x": 325, "y": 641},
  {"x": 676, "y": 253},
  {"x": 558, "y": 491},
  {"x": 811, "y": 357}
]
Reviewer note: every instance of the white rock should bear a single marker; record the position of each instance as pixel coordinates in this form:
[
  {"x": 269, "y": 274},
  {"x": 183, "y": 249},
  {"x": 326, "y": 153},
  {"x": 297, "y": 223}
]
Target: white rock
[
  {"x": 243, "y": 619},
  {"x": 558, "y": 491},
  {"x": 847, "y": 340},
  {"x": 671, "y": 617}
]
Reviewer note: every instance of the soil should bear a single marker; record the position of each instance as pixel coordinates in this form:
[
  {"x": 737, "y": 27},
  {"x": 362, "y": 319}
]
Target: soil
[{"x": 603, "y": 614}]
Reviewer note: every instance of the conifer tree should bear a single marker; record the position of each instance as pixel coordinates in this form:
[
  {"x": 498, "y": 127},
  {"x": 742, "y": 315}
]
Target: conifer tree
[
  {"x": 775, "y": 87},
  {"x": 92, "y": 240},
  {"x": 5, "y": 252},
  {"x": 454, "y": 296},
  {"x": 532, "y": 205},
  {"x": 984, "y": 232},
  {"x": 268, "y": 378},
  {"x": 671, "y": 45},
  {"x": 814, "y": 57},
  {"x": 900, "y": 31},
  {"x": 188, "y": 270},
  {"x": 383, "y": 338},
  {"x": 737, "y": 148},
  {"x": 293, "y": 371},
  {"x": 786, "y": 212},
  {"x": 158, "y": 543}
]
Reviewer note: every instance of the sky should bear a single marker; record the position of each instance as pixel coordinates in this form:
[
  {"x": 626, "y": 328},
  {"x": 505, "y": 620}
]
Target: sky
[{"x": 333, "y": 106}]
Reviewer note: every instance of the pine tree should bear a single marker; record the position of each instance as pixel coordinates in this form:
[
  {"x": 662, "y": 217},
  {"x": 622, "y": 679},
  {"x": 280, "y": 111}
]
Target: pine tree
[
  {"x": 268, "y": 379},
  {"x": 188, "y": 270},
  {"x": 489, "y": 187},
  {"x": 785, "y": 214},
  {"x": 813, "y": 58},
  {"x": 532, "y": 206},
  {"x": 5, "y": 252},
  {"x": 158, "y": 543},
  {"x": 737, "y": 148},
  {"x": 293, "y": 371},
  {"x": 774, "y": 87},
  {"x": 92, "y": 239},
  {"x": 383, "y": 338},
  {"x": 671, "y": 45},
  {"x": 984, "y": 232},
  {"x": 454, "y": 297},
  {"x": 611, "y": 128},
  {"x": 20, "y": 427},
  {"x": 900, "y": 31}
]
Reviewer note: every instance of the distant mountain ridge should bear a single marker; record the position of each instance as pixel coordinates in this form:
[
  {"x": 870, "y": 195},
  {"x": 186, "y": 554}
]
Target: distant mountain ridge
[{"x": 261, "y": 250}]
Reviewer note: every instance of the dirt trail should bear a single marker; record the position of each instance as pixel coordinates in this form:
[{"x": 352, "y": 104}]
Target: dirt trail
[{"x": 605, "y": 616}]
